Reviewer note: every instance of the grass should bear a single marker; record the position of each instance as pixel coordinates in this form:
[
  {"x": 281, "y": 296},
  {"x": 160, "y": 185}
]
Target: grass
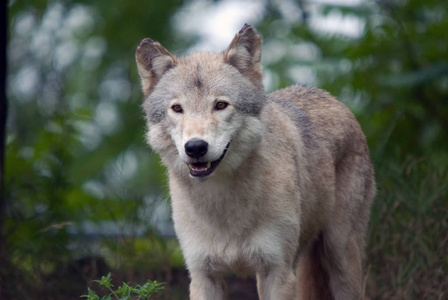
[{"x": 408, "y": 232}]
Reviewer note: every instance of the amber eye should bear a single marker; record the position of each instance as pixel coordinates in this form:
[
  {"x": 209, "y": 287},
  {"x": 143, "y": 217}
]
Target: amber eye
[
  {"x": 221, "y": 105},
  {"x": 177, "y": 108}
]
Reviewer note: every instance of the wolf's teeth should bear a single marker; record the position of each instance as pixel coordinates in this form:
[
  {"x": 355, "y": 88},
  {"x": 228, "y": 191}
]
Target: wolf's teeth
[{"x": 195, "y": 168}]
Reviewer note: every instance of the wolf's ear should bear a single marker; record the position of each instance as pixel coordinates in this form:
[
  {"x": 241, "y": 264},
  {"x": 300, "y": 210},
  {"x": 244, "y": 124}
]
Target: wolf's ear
[
  {"x": 152, "y": 62},
  {"x": 244, "y": 53}
]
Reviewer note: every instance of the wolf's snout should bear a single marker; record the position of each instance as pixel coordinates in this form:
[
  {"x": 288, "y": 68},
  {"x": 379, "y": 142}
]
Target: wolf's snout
[{"x": 196, "y": 148}]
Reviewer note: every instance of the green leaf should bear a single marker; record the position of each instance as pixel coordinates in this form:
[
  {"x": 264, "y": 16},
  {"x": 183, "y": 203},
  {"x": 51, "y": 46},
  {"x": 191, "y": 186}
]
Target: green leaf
[
  {"x": 105, "y": 281},
  {"x": 91, "y": 295},
  {"x": 124, "y": 290},
  {"x": 148, "y": 289}
]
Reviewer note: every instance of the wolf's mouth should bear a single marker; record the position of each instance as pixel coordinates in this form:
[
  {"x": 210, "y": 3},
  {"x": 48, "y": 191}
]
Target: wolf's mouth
[{"x": 202, "y": 169}]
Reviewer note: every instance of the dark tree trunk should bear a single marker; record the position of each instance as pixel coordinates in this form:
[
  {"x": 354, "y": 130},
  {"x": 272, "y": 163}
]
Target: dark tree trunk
[{"x": 3, "y": 114}]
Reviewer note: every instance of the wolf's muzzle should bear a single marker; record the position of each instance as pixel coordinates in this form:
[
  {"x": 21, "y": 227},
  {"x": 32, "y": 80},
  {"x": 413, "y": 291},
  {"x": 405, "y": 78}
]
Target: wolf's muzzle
[{"x": 203, "y": 169}]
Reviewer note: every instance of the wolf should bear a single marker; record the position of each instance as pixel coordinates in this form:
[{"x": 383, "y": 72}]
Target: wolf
[{"x": 279, "y": 185}]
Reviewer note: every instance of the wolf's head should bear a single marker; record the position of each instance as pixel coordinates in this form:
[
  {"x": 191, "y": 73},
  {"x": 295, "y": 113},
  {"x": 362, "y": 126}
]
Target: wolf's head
[{"x": 203, "y": 110}]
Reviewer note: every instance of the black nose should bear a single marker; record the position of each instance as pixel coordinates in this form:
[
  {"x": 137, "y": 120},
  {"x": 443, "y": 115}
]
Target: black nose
[{"x": 196, "y": 148}]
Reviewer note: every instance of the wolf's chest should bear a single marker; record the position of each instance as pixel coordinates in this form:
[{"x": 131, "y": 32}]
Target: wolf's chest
[
  {"x": 227, "y": 250},
  {"x": 230, "y": 227}
]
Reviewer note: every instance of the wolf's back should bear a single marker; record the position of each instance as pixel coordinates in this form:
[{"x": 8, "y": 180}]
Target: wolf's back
[{"x": 324, "y": 121}]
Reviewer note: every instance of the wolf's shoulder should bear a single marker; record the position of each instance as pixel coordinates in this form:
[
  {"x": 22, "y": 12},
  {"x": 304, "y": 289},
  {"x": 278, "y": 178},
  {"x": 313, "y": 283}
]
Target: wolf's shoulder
[
  {"x": 316, "y": 110},
  {"x": 308, "y": 99}
]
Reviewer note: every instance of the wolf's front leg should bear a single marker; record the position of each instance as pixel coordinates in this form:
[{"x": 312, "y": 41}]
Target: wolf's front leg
[
  {"x": 279, "y": 284},
  {"x": 205, "y": 286}
]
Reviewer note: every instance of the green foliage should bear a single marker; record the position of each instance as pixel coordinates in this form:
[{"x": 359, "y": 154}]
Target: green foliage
[
  {"x": 80, "y": 180},
  {"x": 407, "y": 234},
  {"x": 394, "y": 76},
  {"x": 125, "y": 291}
]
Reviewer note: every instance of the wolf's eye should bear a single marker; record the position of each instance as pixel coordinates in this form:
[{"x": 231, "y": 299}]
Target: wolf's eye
[
  {"x": 221, "y": 105},
  {"x": 177, "y": 108}
]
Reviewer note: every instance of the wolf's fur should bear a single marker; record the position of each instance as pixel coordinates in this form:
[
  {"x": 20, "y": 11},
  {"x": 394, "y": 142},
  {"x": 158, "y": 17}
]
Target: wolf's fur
[{"x": 290, "y": 199}]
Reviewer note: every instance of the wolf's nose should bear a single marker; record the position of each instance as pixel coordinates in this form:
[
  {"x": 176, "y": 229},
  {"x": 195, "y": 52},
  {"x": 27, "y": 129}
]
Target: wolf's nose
[{"x": 196, "y": 148}]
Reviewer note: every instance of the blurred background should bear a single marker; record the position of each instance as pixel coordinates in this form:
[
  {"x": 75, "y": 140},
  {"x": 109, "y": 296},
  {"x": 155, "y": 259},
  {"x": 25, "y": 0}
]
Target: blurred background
[{"x": 83, "y": 195}]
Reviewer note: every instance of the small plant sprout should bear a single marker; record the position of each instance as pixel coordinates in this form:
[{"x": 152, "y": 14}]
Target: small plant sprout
[{"x": 125, "y": 291}]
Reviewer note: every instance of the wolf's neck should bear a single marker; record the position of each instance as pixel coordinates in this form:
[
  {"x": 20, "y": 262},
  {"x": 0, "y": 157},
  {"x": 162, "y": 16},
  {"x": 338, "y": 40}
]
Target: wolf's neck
[{"x": 234, "y": 196}]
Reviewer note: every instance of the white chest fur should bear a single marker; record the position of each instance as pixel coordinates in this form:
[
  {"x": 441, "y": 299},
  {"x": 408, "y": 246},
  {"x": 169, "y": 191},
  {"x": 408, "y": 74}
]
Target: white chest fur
[{"x": 229, "y": 228}]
